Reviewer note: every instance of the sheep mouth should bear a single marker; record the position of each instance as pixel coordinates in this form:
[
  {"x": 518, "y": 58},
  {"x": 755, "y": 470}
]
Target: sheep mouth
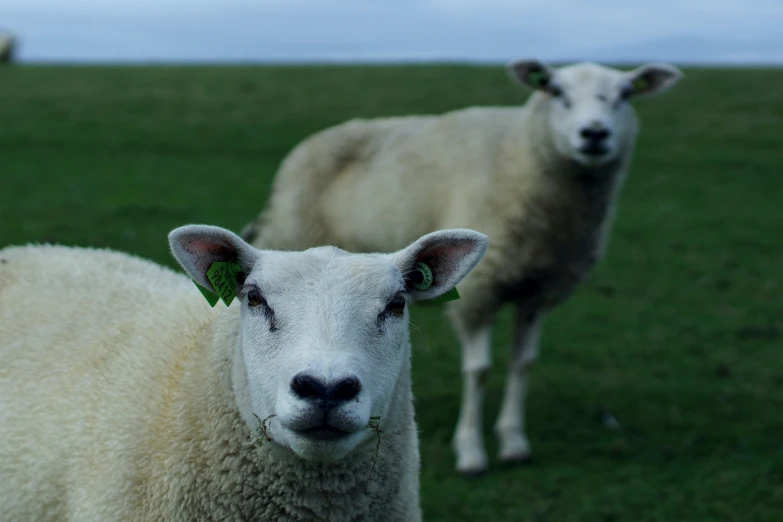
[
  {"x": 323, "y": 433},
  {"x": 594, "y": 150}
]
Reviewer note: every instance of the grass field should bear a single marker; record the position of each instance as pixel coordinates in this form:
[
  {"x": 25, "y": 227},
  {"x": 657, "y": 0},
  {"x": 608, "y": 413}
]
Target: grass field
[{"x": 678, "y": 333}]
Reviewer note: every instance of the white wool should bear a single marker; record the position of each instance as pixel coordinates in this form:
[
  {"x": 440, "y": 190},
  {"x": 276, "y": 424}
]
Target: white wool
[
  {"x": 540, "y": 180},
  {"x": 124, "y": 396}
]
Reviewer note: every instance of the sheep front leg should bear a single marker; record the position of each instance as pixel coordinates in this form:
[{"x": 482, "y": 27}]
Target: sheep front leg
[
  {"x": 510, "y": 426},
  {"x": 476, "y": 361}
]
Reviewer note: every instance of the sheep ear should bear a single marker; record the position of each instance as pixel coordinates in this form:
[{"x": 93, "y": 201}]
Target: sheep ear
[
  {"x": 435, "y": 263},
  {"x": 532, "y": 73},
  {"x": 652, "y": 78},
  {"x": 197, "y": 247}
]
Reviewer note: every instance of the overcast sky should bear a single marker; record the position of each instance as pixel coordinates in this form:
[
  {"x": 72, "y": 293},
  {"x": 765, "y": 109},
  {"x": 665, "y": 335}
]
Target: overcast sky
[{"x": 707, "y": 31}]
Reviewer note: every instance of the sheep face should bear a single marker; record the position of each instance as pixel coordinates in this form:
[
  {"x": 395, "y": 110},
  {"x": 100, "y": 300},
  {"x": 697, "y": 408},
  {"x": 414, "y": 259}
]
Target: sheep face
[
  {"x": 325, "y": 339},
  {"x": 323, "y": 335},
  {"x": 586, "y": 108}
]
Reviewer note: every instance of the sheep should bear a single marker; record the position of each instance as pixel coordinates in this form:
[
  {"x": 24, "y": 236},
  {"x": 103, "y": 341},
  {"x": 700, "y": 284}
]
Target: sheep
[
  {"x": 541, "y": 181},
  {"x": 7, "y": 48},
  {"x": 126, "y": 397}
]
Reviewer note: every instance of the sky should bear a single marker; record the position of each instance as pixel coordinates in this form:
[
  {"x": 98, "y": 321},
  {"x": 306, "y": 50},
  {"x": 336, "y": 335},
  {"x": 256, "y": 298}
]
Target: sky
[{"x": 680, "y": 31}]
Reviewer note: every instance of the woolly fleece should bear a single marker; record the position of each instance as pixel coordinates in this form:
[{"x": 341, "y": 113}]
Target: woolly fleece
[{"x": 116, "y": 404}]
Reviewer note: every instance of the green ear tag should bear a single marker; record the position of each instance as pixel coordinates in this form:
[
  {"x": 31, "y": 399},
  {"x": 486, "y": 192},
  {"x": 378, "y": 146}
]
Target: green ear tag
[
  {"x": 640, "y": 85},
  {"x": 426, "y": 282},
  {"x": 426, "y": 273},
  {"x": 538, "y": 79},
  {"x": 451, "y": 295},
  {"x": 223, "y": 276},
  {"x": 211, "y": 298}
]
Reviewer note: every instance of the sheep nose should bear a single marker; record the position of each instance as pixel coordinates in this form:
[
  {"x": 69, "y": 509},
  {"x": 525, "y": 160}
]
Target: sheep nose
[
  {"x": 329, "y": 394},
  {"x": 345, "y": 389},
  {"x": 594, "y": 133},
  {"x": 308, "y": 387}
]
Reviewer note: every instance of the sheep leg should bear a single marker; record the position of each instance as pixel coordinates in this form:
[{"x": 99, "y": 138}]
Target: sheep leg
[
  {"x": 510, "y": 425},
  {"x": 476, "y": 361}
]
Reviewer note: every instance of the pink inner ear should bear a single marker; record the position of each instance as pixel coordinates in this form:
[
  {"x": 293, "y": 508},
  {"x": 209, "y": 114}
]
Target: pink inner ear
[
  {"x": 198, "y": 246},
  {"x": 208, "y": 252},
  {"x": 444, "y": 259}
]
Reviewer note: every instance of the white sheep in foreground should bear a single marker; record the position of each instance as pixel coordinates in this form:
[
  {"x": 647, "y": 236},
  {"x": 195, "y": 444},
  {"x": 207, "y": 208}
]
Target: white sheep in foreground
[
  {"x": 540, "y": 180},
  {"x": 7, "y": 48},
  {"x": 124, "y": 396}
]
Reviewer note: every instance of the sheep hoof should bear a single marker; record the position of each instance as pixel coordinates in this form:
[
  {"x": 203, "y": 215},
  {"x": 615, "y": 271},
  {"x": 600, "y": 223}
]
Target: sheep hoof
[
  {"x": 518, "y": 460},
  {"x": 473, "y": 474},
  {"x": 472, "y": 467},
  {"x": 514, "y": 447}
]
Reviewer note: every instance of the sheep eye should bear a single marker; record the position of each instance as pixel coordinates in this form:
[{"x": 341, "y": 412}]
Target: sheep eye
[
  {"x": 396, "y": 306},
  {"x": 254, "y": 298},
  {"x": 555, "y": 91},
  {"x": 626, "y": 92}
]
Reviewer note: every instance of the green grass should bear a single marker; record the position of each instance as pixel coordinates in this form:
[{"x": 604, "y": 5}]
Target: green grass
[{"x": 678, "y": 333}]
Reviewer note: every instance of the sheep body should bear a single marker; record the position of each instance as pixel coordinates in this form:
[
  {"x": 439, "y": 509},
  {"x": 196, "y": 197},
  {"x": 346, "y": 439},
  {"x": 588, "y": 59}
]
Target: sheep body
[
  {"x": 488, "y": 176},
  {"x": 528, "y": 177},
  {"x": 117, "y": 404}
]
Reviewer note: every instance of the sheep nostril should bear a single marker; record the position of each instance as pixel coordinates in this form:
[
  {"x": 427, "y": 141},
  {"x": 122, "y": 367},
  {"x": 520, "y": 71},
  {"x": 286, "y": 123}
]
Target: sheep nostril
[
  {"x": 308, "y": 387},
  {"x": 594, "y": 134},
  {"x": 345, "y": 389}
]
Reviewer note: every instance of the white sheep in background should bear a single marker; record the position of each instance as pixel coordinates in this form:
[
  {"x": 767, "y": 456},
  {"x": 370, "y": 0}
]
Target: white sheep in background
[
  {"x": 7, "y": 48},
  {"x": 124, "y": 396},
  {"x": 540, "y": 180}
]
